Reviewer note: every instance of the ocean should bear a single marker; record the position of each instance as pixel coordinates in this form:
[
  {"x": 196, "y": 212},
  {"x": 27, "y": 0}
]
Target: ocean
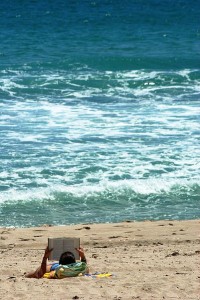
[{"x": 99, "y": 111}]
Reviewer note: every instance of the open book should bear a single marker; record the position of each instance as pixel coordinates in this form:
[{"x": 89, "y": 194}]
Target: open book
[{"x": 61, "y": 245}]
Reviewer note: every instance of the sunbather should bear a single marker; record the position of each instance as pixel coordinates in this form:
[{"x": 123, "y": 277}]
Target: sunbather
[{"x": 66, "y": 258}]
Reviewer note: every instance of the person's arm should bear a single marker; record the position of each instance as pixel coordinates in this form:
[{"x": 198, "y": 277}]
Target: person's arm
[
  {"x": 83, "y": 259},
  {"x": 82, "y": 255},
  {"x": 43, "y": 267}
]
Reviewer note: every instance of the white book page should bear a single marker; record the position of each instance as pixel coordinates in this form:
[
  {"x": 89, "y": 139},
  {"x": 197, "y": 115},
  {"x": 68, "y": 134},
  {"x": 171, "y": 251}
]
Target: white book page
[{"x": 61, "y": 245}]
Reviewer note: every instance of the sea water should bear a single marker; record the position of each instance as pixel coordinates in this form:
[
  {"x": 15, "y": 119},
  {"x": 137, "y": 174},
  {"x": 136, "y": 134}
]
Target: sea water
[{"x": 99, "y": 111}]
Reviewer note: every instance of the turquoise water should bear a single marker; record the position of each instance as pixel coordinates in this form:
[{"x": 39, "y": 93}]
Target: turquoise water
[{"x": 99, "y": 111}]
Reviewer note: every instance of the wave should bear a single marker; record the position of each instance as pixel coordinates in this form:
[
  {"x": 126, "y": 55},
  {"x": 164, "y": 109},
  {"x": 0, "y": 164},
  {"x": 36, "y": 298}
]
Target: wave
[
  {"x": 152, "y": 200},
  {"x": 87, "y": 83}
]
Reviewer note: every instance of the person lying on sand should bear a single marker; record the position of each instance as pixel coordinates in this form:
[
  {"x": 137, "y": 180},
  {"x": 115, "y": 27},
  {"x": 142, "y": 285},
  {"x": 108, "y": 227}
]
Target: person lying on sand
[{"x": 66, "y": 259}]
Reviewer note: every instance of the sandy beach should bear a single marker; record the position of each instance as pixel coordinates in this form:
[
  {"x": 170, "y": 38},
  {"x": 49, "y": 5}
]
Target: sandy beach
[{"x": 148, "y": 260}]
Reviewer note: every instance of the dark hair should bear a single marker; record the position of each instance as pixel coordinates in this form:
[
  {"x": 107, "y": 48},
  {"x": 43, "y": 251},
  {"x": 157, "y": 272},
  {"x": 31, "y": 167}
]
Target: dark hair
[{"x": 67, "y": 258}]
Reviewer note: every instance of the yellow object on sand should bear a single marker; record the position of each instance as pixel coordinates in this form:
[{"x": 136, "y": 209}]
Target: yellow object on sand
[
  {"x": 103, "y": 275},
  {"x": 49, "y": 275}
]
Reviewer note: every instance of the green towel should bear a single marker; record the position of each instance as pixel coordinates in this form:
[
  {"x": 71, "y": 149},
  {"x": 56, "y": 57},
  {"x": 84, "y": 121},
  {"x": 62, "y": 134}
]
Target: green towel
[{"x": 72, "y": 270}]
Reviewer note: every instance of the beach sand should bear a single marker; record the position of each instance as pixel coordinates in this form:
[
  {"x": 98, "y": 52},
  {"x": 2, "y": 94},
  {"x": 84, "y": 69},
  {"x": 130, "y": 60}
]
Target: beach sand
[{"x": 148, "y": 260}]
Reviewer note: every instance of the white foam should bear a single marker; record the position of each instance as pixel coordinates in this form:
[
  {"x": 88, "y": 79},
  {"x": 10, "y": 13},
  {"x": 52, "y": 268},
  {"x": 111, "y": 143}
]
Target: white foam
[
  {"x": 26, "y": 195},
  {"x": 185, "y": 73},
  {"x": 4, "y": 174},
  {"x": 6, "y": 84},
  {"x": 128, "y": 133},
  {"x": 143, "y": 187}
]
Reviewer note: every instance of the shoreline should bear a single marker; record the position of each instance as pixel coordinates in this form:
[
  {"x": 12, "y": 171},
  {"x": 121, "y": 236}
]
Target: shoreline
[
  {"x": 148, "y": 260},
  {"x": 97, "y": 223}
]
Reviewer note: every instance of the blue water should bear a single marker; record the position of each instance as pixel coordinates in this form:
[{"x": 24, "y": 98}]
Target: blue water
[{"x": 99, "y": 111}]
